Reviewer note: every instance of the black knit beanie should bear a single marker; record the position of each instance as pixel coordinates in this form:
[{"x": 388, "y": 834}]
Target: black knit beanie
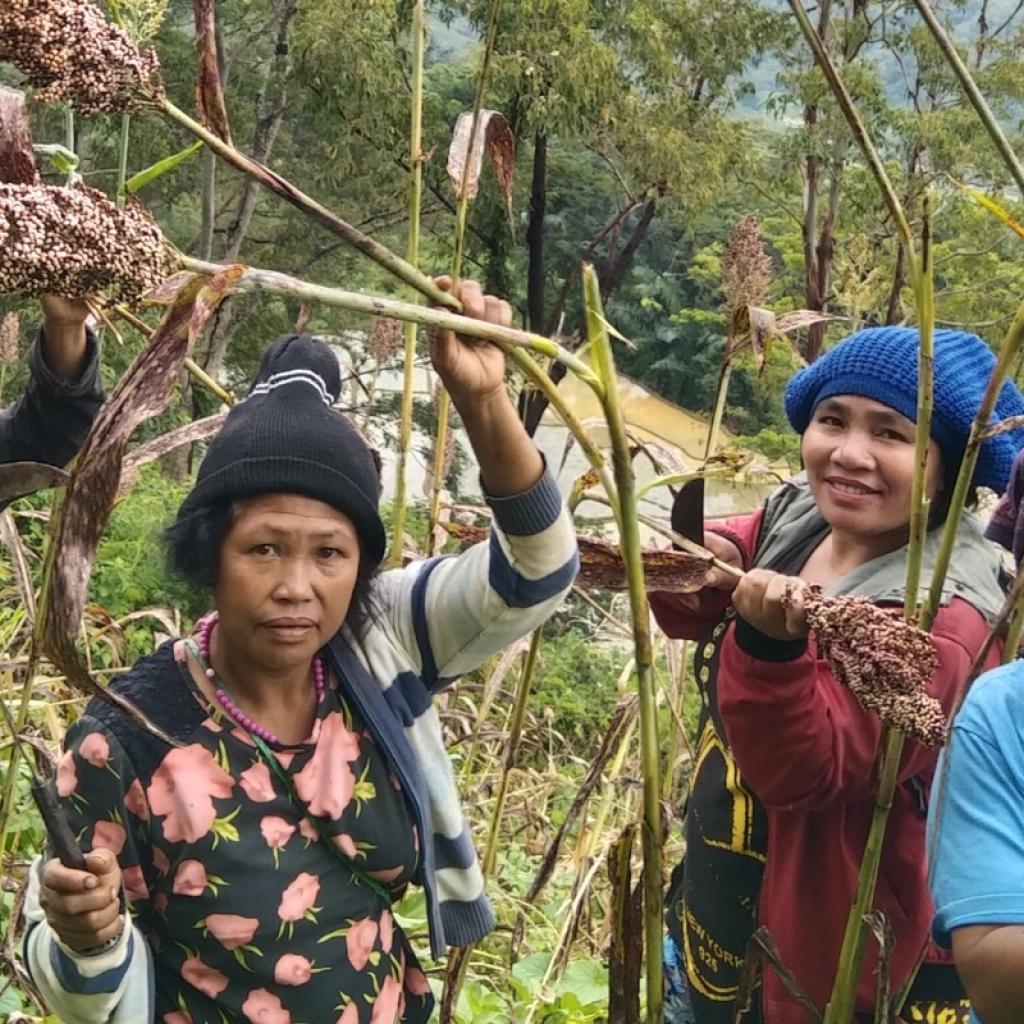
[{"x": 285, "y": 438}]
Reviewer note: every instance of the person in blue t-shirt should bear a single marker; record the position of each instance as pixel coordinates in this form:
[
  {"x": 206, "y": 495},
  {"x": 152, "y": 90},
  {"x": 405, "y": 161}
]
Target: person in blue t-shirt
[{"x": 977, "y": 846}]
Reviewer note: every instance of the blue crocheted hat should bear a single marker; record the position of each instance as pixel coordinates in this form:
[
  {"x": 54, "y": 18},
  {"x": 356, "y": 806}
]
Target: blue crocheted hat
[{"x": 881, "y": 363}]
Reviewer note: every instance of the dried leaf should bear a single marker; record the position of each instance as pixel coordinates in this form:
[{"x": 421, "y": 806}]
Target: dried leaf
[
  {"x": 20, "y": 479},
  {"x": 209, "y": 87},
  {"x": 992, "y": 206},
  {"x": 17, "y": 161},
  {"x": 169, "y": 289},
  {"x": 197, "y": 430},
  {"x": 625, "y": 955},
  {"x": 142, "y": 393},
  {"x": 797, "y": 319},
  {"x": 10, "y": 539},
  {"x": 763, "y": 327},
  {"x": 602, "y": 567},
  {"x": 494, "y": 132}
]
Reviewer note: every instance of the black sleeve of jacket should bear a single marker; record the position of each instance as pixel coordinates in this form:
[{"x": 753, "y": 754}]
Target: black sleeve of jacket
[{"x": 52, "y": 418}]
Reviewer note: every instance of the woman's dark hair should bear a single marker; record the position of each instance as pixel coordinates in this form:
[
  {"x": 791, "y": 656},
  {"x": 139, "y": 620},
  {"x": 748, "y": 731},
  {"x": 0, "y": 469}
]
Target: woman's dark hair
[{"x": 193, "y": 554}]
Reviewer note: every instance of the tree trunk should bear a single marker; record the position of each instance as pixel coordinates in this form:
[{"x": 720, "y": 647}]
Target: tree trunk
[{"x": 535, "y": 234}]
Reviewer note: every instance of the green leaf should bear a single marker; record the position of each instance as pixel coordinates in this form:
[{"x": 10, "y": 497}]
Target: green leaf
[
  {"x": 143, "y": 178},
  {"x": 63, "y": 160},
  {"x": 992, "y": 206},
  {"x": 587, "y": 980}
]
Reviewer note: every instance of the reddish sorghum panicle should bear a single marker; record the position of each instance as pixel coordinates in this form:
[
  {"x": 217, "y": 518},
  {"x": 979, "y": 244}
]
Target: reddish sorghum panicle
[
  {"x": 386, "y": 339},
  {"x": 886, "y": 661},
  {"x": 10, "y": 330},
  {"x": 69, "y": 52},
  {"x": 75, "y": 242}
]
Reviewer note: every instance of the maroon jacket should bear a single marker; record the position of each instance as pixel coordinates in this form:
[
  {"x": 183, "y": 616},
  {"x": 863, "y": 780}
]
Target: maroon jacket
[{"x": 808, "y": 751}]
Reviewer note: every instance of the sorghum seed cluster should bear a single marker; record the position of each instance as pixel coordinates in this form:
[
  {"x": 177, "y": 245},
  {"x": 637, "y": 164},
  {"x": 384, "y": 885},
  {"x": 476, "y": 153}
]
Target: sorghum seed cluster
[
  {"x": 10, "y": 330},
  {"x": 386, "y": 339},
  {"x": 75, "y": 242},
  {"x": 69, "y": 52},
  {"x": 886, "y": 661}
]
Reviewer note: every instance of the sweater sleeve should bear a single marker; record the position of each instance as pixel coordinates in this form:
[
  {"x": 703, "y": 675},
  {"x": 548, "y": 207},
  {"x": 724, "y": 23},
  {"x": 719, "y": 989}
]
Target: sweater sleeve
[
  {"x": 107, "y": 808},
  {"x": 452, "y": 613},
  {"x": 800, "y": 738},
  {"x": 680, "y": 622},
  {"x": 53, "y": 416}
]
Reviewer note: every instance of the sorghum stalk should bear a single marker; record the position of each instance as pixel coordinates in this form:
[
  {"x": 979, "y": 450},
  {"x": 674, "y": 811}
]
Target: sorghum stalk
[
  {"x": 398, "y": 507},
  {"x": 461, "y": 223},
  {"x": 370, "y": 247},
  {"x": 255, "y": 280},
  {"x": 629, "y": 540}
]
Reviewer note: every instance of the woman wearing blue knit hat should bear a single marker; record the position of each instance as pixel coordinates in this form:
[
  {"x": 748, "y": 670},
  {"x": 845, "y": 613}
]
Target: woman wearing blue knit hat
[{"x": 784, "y": 777}]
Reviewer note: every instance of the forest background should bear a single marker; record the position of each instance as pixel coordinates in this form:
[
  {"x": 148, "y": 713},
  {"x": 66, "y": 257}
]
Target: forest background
[{"x": 645, "y": 130}]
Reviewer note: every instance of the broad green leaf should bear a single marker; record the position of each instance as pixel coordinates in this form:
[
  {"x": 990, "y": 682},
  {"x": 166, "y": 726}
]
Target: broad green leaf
[{"x": 143, "y": 178}]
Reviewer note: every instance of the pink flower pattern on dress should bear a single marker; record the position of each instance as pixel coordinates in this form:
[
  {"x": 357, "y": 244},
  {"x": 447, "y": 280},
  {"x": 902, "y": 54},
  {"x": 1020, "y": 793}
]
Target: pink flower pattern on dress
[
  {"x": 292, "y": 969},
  {"x": 326, "y": 783},
  {"x": 108, "y": 835},
  {"x": 183, "y": 789},
  {"x": 196, "y": 863},
  {"x": 135, "y": 884},
  {"x": 361, "y": 938},
  {"x": 276, "y": 831},
  {"x": 256, "y": 783},
  {"x": 135, "y": 801},
  {"x": 67, "y": 775},
  {"x": 206, "y": 979},
  {"x": 263, "y": 1007},
  {"x": 232, "y": 930},
  {"x": 190, "y": 879},
  {"x": 350, "y": 1016},
  {"x": 387, "y": 1005},
  {"x": 95, "y": 750},
  {"x": 299, "y": 897}
]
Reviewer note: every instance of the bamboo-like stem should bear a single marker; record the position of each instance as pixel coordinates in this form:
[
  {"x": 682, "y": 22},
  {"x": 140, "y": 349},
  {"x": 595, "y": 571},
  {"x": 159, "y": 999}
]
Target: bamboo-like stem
[
  {"x": 122, "y": 159},
  {"x": 919, "y": 502},
  {"x": 970, "y": 87},
  {"x": 842, "y": 1002},
  {"x": 444, "y": 402},
  {"x": 69, "y": 137},
  {"x": 256, "y": 280},
  {"x": 489, "y": 860},
  {"x": 412, "y": 255},
  {"x": 191, "y": 366},
  {"x": 629, "y": 540},
  {"x": 543, "y": 382},
  {"x": 719, "y": 410},
  {"x": 377, "y": 252}
]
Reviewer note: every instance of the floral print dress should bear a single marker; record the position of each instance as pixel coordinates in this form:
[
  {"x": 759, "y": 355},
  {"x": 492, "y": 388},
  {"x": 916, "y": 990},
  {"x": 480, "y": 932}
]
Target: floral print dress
[{"x": 249, "y": 914}]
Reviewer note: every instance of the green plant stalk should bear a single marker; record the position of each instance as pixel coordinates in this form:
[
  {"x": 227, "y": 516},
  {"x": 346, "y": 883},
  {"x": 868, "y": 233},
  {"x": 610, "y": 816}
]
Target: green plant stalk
[
  {"x": 412, "y": 253},
  {"x": 843, "y": 998},
  {"x": 190, "y": 365},
  {"x": 256, "y": 280},
  {"x": 489, "y": 861},
  {"x": 970, "y": 87},
  {"x": 444, "y": 403},
  {"x": 377, "y": 252},
  {"x": 719, "y": 410},
  {"x": 122, "y": 162},
  {"x": 629, "y": 541},
  {"x": 69, "y": 136}
]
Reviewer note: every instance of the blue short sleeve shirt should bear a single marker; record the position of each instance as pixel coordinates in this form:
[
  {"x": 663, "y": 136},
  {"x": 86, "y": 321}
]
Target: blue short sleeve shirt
[{"x": 976, "y": 818}]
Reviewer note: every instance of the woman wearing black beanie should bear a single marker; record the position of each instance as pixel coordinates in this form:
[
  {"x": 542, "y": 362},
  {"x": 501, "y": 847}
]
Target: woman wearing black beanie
[{"x": 310, "y": 786}]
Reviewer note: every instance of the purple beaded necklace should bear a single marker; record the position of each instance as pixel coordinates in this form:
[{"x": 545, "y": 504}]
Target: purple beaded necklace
[{"x": 203, "y": 635}]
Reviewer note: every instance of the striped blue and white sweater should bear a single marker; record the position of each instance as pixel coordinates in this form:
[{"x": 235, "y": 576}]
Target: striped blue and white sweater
[{"x": 429, "y": 623}]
